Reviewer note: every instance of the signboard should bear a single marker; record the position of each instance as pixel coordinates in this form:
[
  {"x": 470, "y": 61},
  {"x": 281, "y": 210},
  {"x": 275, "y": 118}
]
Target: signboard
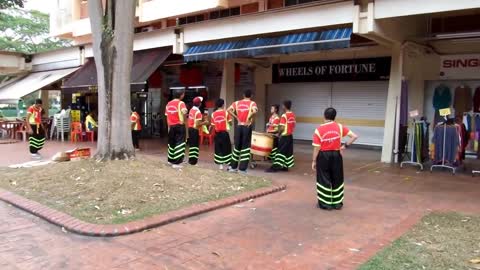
[
  {"x": 366, "y": 69},
  {"x": 445, "y": 112},
  {"x": 466, "y": 66}
]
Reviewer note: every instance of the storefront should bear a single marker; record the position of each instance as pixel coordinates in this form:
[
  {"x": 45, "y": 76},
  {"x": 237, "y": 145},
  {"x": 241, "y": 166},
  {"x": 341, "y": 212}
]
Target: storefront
[{"x": 357, "y": 88}]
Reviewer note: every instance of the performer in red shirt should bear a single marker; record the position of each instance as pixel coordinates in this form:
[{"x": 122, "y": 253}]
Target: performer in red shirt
[
  {"x": 223, "y": 147},
  {"x": 244, "y": 111},
  {"x": 176, "y": 113},
  {"x": 136, "y": 128},
  {"x": 35, "y": 128},
  {"x": 284, "y": 157},
  {"x": 272, "y": 128},
  {"x": 195, "y": 122},
  {"x": 328, "y": 162}
]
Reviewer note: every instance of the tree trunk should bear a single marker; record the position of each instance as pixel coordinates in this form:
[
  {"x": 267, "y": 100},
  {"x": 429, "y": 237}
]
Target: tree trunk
[{"x": 113, "y": 50}]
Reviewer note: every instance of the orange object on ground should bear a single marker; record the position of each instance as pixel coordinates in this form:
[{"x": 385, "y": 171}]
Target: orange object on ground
[{"x": 79, "y": 153}]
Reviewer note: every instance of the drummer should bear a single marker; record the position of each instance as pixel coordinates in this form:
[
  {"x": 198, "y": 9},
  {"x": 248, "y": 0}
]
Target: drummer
[
  {"x": 284, "y": 158},
  {"x": 272, "y": 128}
]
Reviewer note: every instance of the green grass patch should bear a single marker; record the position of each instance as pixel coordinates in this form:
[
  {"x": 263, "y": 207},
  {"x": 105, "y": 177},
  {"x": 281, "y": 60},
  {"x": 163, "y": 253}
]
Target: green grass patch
[
  {"x": 121, "y": 191},
  {"x": 441, "y": 241}
]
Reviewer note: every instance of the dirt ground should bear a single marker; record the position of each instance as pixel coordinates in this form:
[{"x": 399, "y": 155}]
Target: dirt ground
[
  {"x": 121, "y": 191},
  {"x": 441, "y": 241}
]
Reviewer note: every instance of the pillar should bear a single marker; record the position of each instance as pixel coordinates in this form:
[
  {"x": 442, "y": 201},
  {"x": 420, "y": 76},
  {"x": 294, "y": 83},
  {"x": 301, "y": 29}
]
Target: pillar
[
  {"x": 45, "y": 101},
  {"x": 393, "y": 102},
  {"x": 263, "y": 77},
  {"x": 227, "y": 91}
]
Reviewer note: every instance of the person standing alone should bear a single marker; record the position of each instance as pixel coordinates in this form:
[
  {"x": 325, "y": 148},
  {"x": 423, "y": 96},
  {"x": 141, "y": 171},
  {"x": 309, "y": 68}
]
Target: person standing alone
[
  {"x": 195, "y": 122},
  {"x": 327, "y": 160},
  {"x": 136, "y": 128},
  {"x": 284, "y": 158},
  {"x": 243, "y": 110},
  {"x": 35, "y": 128},
  {"x": 221, "y": 122},
  {"x": 176, "y": 112}
]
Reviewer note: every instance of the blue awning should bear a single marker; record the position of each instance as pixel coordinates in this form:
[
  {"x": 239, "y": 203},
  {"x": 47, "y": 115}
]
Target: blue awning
[{"x": 293, "y": 43}]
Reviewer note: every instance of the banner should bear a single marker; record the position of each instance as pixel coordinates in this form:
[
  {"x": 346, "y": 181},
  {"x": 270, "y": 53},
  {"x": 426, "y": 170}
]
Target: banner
[
  {"x": 368, "y": 69},
  {"x": 466, "y": 66}
]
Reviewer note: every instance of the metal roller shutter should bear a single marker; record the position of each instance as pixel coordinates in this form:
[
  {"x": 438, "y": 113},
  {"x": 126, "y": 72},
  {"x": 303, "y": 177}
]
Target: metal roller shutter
[
  {"x": 309, "y": 101},
  {"x": 361, "y": 106}
]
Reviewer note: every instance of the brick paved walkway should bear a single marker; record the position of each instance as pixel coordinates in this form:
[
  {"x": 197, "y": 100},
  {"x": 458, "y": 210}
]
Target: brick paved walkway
[{"x": 280, "y": 231}]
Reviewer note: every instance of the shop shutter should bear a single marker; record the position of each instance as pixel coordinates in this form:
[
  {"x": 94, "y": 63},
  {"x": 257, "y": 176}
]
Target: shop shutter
[
  {"x": 309, "y": 102},
  {"x": 362, "y": 105}
]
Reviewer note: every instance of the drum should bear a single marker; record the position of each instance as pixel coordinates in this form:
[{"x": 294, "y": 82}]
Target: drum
[{"x": 262, "y": 144}]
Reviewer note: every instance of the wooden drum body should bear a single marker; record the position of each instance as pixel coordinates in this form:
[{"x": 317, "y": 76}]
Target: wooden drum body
[{"x": 262, "y": 144}]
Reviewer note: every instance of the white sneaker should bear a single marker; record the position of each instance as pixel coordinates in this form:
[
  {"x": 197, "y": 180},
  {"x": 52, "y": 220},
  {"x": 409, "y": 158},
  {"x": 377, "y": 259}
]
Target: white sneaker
[
  {"x": 175, "y": 166},
  {"x": 242, "y": 172},
  {"x": 230, "y": 169},
  {"x": 36, "y": 156},
  {"x": 220, "y": 167}
]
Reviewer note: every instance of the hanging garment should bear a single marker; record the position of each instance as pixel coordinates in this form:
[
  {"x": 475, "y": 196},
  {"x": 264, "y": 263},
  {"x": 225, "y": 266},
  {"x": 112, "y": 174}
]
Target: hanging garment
[
  {"x": 462, "y": 100},
  {"x": 476, "y": 100},
  {"x": 449, "y": 147},
  {"x": 442, "y": 98},
  {"x": 425, "y": 141}
]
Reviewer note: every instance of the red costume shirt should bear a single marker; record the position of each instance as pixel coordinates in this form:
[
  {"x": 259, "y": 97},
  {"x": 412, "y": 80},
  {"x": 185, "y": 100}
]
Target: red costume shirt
[
  {"x": 194, "y": 117},
  {"x": 244, "y": 109},
  {"x": 328, "y": 137},
  {"x": 220, "y": 120},
  {"x": 273, "y": 124},
  {"x": 135, "y": 120},
  {"x": 174, "y": 111},
  {"x": 288, "y": 122},
  {"x": 35, "y": 115}
]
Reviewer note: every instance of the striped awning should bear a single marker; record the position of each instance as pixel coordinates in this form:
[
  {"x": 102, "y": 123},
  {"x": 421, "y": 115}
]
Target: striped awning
[{"x": 292, "y": 43}]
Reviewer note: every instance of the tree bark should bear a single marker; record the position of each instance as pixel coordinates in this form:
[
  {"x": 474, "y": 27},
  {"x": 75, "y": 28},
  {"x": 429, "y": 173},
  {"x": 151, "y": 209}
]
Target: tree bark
[{"x": 113, "y": 52}]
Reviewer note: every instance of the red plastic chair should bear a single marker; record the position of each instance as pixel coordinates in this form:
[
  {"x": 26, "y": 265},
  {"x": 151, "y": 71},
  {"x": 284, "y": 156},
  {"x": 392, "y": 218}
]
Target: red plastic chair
[
  {"x": 76, "y": 132},
  {"x": 207, "y": 138},
  {"x": 90, "y": 135}
]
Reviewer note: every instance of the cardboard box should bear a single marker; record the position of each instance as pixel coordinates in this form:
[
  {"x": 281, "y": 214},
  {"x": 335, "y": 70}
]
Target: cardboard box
[{"x": 79, "y": 154}]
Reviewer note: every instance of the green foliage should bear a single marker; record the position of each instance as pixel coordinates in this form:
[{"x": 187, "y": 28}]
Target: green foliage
[
  {"x": 27, "y": 32},
  {"x": 4, "y": 4}
]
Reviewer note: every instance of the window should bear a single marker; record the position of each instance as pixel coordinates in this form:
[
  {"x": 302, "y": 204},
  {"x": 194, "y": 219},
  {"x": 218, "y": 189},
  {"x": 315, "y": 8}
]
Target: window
[
  {"x": 272, "y": 4},
  {"x": 224, "y": 13}
]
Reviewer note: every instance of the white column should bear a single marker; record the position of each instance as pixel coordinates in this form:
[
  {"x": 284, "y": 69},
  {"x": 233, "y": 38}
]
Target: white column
[
  {"x": 263, "y": 77},
  {"x": 227, "y": 91},
  {"x": 393, "y": 103}
]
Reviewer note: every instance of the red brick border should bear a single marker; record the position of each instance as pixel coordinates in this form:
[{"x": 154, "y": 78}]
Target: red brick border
[{"x": 77, "y": 226}]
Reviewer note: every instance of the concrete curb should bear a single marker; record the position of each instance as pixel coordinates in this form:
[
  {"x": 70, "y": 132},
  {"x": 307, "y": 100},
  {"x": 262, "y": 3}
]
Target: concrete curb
[{"x": 77, "y": 226}]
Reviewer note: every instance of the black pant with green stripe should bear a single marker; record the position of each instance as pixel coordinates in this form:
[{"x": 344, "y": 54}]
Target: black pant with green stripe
[
  {"x": 223, "y": 148},
  {"x": 241, "y": 149},
  {"x": 37, "y": 139},
  {"x": 274, "y": 148},
  {"x": 330, "y": 179},
  {"x": 284, "y": 158},
  {"x": 176, "y": 144},
  {"x": 193, "y": 143}
]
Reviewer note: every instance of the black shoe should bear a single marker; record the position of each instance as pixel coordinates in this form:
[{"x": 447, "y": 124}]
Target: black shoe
[
  {"x": 338, "y": 206},
  {"x": 324, "y": 207},
  {"x": 284, "y": 169},
  {"x": 271, "y": 170}
]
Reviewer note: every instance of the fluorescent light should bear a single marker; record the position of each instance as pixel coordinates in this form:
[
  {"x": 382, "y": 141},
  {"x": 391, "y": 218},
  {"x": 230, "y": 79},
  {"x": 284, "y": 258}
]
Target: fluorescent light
[{"x": 459, "y": 35}]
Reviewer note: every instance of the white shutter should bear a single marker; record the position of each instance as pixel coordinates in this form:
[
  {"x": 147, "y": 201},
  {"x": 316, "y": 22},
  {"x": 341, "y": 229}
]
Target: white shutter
[
  {"x": 308, "y": 100},
  {"x": 365, "y": 101}
]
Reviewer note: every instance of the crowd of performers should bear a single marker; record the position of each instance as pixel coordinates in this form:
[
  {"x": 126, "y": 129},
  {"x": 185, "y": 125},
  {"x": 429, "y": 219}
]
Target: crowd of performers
[
  {"x": 184, "y": 131},
  {"x": 327, "y": 141}
]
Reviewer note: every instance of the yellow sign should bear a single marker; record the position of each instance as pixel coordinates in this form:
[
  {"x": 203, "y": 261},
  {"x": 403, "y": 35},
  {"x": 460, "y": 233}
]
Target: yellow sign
[{"x": 445, "y": 112}]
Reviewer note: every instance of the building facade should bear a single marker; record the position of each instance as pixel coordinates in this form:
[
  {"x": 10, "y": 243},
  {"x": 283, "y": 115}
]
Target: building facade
[{"x": 373, "y": 60}]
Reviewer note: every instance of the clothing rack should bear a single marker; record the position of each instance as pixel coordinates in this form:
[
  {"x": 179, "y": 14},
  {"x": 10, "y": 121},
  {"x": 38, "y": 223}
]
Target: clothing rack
[
  {"x": 443, "y": 165},
  {"x": 413, "y": 146}
]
